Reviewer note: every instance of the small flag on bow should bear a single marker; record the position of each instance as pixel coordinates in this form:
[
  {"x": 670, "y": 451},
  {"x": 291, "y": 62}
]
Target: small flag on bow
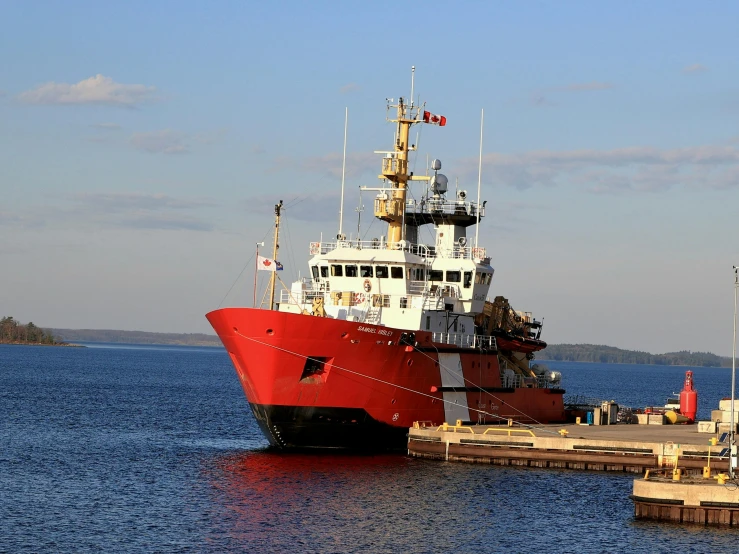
[
  {"x": 439, "y": 120},
  {"x": 268, "y": 264}
]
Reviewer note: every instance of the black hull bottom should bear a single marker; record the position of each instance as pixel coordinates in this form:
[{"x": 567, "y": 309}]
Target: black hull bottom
[{"x": 296, "y": 427}]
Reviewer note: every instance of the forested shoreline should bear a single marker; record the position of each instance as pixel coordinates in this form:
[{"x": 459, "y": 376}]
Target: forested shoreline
[
  {"x": 15, "y": 332},
  {"x": 599, "y": 353},
  {"x": 136, "y": 337}
]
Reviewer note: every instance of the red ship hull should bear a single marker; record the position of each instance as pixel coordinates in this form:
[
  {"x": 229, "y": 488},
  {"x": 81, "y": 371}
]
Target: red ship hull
[{"x": 317, "y": 382}]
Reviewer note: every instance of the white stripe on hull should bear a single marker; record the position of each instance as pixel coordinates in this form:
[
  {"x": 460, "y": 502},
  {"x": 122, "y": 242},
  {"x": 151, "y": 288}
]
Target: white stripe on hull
[
  {"x": 455, "y": 403},
  {"x": 450, "y": 367},
  {"x": 455, "y": 407}
]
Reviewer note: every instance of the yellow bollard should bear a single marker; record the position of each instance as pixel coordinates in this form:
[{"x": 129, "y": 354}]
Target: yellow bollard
[
  {"x": 721, "y": 478},
  {"x": 564, "y": 432},
  {"x": 707, "y": 469},
  {"x": 676, "y": 474}
]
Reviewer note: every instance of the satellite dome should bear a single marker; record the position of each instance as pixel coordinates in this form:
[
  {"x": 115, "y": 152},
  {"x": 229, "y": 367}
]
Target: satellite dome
[{"x": 439, "y": 183}]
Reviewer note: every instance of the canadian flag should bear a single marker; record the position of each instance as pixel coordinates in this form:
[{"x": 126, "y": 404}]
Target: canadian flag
[
  {"x": 268, "y": 264},
  {"x": 439, "y": 120}
]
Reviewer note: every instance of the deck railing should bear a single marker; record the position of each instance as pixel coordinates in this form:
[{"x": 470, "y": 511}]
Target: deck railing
[
  {"x": 466, "y": 340},
  {"x": 421, "y": 250}
]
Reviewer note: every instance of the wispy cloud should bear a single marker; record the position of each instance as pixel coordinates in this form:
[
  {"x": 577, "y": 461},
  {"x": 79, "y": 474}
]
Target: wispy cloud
[
  {"x": 87, "y": 210},
  {"x": 594, "y": 85},
  {"x": 540, "y": 98},
  {"x": 169, "y": 141},
  {"x": 116, "y": 202},
  {"x": 7, "y": 218},
  {"x": 695, "y": 68},
  {"x": 135, "y": 210},
  {"x": 351, "y": 87},
  {"x": 315, "y": 206},
  {"x": 94, "y": 90},
  {"x": 165, "y": 141},
  {"x": 166, "y": 222},
  {"x": 106, "y": 126},
  {"x": 330, "y": 164},
  {"x": 620, "y": 170}
]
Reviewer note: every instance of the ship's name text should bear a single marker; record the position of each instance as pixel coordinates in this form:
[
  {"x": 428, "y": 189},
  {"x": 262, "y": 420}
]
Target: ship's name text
[{"x": 382, "y": 332}]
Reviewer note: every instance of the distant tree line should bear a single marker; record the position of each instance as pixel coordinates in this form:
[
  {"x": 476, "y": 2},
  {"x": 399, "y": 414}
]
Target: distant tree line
[
  {"x": 610, "y": 355},
  {"x": 12, "y": 331},
  {"x": 136, "y": 337}
]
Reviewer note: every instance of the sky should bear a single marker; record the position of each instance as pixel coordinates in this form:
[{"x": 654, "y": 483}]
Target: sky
[{"x": 143, "y": 146}]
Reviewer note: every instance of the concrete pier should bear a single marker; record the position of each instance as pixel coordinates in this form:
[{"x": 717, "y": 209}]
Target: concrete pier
[
  {"x": 624, "y": 448},
  {"x": 692, "y": 500}
]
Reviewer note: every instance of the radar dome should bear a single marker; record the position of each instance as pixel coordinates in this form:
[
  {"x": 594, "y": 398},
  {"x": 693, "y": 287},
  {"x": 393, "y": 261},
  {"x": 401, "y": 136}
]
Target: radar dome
[{"x": 439, "y": 183}]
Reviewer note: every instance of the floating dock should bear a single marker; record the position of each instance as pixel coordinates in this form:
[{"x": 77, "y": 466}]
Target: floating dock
[{"x": 622, "y": 448}]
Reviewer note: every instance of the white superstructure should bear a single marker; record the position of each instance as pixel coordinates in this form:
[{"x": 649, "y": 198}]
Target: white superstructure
[{"x": 397, "y": 280}]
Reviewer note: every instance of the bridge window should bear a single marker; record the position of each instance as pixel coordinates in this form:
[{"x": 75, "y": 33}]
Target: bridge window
[
  {"x": 351, "y": 270},
  {"x": 477, "y": 278},
  {"x": 453, "y": 276},
  {"x": 396, "y": 272},
  {"x": 324, "y": 271},
  {"x": 365, "y": 271},
  {"x": 337, "y": 270},
  {"x": 314, "y": 270},
  {"x": 436, "y": 275},
  {"x": 467, "y": 279},
  {"x": 381, "y": 272}
]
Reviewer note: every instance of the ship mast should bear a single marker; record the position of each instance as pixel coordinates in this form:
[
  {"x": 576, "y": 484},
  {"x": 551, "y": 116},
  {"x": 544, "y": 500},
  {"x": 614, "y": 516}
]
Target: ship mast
[
  {"x": 395, "y": 170},
  {"x": 395, "y": 167},
  {"x": 273, "y": 277}
]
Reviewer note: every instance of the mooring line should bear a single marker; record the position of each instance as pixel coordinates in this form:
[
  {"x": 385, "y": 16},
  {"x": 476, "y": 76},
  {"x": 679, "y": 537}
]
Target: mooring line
[{"x": 389, "y": 383}]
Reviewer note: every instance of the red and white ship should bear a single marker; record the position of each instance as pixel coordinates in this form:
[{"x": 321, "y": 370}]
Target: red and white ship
[{"x": 391, "y": 331}]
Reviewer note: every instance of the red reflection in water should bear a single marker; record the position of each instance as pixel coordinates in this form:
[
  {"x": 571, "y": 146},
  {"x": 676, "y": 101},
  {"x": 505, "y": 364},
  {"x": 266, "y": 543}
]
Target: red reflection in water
[{"x": 277, "y": 498}]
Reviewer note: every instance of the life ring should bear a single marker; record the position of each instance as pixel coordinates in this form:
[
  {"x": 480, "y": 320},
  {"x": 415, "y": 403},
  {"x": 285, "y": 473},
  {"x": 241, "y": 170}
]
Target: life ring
[
  {"x": 367, "y": 285},
  {"x": 359, "y": 298}
]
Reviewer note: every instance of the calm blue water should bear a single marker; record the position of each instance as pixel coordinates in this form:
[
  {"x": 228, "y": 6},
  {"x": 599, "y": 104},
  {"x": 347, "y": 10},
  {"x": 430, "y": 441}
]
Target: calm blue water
[{"x": 153, "y": 449}]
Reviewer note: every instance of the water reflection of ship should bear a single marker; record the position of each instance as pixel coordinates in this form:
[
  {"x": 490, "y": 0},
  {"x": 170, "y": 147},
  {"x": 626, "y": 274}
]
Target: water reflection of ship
[{"x": 258, "y": 497}]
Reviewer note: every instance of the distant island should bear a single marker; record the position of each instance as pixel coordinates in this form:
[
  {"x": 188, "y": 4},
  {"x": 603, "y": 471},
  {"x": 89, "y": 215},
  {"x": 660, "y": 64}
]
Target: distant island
[
  {"x": 610, "y": 355},
  {"x": 14, "y": 332},
  {"x": 136, "y": 337}
]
